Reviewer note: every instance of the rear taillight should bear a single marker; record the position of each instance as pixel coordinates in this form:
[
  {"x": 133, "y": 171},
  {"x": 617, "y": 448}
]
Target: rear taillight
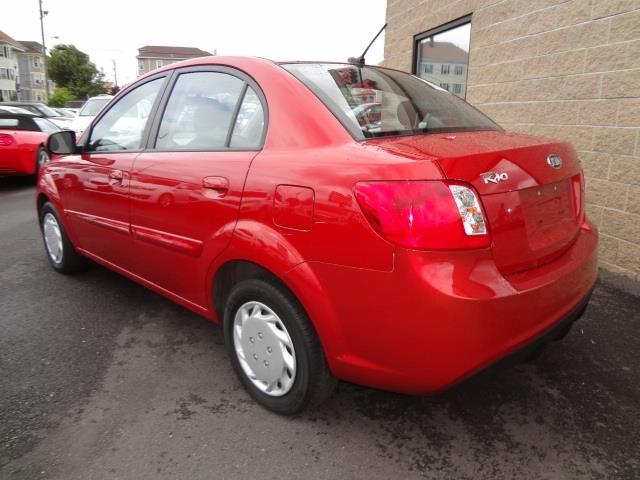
[
  {"x": 5, "y": 140},
  {"x": 425, "y": 215}
]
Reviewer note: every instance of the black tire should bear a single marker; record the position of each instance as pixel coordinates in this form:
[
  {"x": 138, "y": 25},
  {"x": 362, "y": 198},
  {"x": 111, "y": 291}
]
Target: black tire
[
  {"x": 69, "y": 261},
  {"x": 312, "y": 382},
  {"x": 42, "y": 158}
]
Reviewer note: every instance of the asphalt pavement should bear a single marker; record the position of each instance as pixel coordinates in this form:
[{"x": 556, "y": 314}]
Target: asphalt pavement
[{"x": 103, "y": 379}]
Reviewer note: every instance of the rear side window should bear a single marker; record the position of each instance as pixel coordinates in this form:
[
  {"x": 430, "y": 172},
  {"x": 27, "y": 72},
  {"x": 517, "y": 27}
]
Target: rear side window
[
  {"x": 8, "y": 123},
  {"x": 249, "y": 125},
  {"x": 200, "y": 111},
  {"x": 122, "y": 127},
  {"x": 376, "y": 102}
]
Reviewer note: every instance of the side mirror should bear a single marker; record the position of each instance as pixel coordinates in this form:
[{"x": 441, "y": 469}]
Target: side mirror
[{"x": 62, "y": 143}]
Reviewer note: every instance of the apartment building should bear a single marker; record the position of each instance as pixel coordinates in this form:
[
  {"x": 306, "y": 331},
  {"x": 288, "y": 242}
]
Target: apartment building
[
  {"x": 32, "y": 76},
  {"x": 9, "y": 80},
  {"x": 151, "y": 57}
]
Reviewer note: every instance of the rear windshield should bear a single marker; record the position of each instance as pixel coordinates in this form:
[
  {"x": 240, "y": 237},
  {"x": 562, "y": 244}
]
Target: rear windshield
[
  {"x": 8, "y": 122},
  {"x": 377, "y": 102},
  {"x": 93, "y": 107}
]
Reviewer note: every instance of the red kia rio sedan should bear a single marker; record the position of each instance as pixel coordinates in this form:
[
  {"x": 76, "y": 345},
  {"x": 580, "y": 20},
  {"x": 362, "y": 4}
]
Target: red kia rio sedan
[{"x": 405, "y": 252}]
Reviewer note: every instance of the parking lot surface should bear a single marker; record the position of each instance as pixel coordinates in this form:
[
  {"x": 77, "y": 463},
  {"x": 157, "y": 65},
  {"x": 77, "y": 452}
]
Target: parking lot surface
[{"x": 103, "y": 379}]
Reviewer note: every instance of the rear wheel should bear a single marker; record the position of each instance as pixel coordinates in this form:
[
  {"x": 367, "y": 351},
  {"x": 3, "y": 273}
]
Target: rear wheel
[
  {"x": 274, "y": 348},
  {"x": 60, "y": 252}
]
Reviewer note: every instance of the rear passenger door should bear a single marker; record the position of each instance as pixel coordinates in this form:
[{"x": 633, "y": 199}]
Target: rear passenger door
[{"x": 187, "y": 185}]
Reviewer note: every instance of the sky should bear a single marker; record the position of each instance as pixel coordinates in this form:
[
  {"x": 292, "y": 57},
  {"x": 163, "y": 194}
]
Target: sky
[{"x": 277, "y": 29}]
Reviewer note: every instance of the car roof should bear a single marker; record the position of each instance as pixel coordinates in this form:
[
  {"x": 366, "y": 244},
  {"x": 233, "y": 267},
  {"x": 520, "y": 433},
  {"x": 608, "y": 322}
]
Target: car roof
[
  {"x": 17, "y": 104},
  {"x": 24, "y": 115},
  {"x": 11, "y": 108}
]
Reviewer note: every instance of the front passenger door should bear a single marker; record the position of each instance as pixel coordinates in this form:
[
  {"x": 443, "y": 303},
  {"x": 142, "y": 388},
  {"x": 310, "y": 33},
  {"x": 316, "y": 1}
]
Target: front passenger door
[{"x": 95, "y": 186}]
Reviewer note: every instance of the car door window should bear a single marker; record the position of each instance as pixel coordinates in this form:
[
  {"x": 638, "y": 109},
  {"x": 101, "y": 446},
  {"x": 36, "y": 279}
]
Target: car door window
[
  {"x": 249, "y": 125},
  {"x": 122, "y": 127},
  {"x": 199, "y": 112}
]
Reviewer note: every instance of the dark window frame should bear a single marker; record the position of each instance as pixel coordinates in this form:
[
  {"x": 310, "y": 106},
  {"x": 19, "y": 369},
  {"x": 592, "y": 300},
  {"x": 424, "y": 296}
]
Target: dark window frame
[{"x": 458, "y": 22}]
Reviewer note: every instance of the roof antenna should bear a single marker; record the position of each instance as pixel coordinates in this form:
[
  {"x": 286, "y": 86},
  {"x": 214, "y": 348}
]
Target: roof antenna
[{"x": 360, "y": 60}]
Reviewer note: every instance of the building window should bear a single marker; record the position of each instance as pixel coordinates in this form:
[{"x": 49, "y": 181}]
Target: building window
[
  {"x": 445, "y": 86},
  {"x": 428, "y": 68},
  {"x": 141, "y": 66},
  {"x": 445, "y": 45},
  {"x": 5, "y": 51},
  {"x": 4, "y": 74},
  {"x": 158, "y": 63},
  {"x": 36, "y": 62}
]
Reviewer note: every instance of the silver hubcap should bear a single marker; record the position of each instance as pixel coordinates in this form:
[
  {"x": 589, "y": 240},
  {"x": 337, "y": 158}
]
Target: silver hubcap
[
  {"x": 52, "y": 237},
  {"x": 264, "y": 348}
]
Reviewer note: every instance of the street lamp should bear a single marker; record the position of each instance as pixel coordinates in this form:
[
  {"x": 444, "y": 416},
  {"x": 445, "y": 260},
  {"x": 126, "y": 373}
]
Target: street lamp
[{"x": 44, "y": 51}]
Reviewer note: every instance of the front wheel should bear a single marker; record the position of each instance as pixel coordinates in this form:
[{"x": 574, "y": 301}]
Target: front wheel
[
  {"x": 60, "y": 252},
  {"x": 42, "y": 158},
  {"x": 274, "y": 348}
]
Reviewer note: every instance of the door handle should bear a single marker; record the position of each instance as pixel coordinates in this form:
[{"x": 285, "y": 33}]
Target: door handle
[
  {"x": 116, "y": 175},
  {"x": 218, "y": 184}
]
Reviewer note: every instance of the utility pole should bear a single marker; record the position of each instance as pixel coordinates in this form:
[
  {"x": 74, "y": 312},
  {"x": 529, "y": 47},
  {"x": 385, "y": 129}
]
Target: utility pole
[
  {"x": 44, "y": 52},
  {"x": 115, "y": 74}
]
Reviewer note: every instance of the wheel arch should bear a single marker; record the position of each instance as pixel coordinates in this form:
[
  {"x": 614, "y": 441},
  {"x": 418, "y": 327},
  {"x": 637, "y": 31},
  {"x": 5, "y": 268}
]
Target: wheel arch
[
  {"x": 303, "y": 287},
  {"x": 257, "y": 250}
]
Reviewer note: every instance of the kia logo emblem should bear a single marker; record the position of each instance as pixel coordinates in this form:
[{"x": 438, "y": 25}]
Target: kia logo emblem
[{"x": 554, "y": 161}]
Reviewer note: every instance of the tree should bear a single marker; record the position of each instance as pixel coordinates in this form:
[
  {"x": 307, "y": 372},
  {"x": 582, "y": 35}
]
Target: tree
[
  {"x": 71, "y": 69},
  {"x": 59, "y": 97}
]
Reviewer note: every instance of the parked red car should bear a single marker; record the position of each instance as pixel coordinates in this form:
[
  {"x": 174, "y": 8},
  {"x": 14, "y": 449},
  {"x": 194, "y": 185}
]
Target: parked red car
[
  {"x": 408, "y": 257},
  {"x": 23, "y": 138}
]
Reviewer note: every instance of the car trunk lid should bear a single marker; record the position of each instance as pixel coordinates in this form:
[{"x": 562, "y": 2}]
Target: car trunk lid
[{"x": 531, "y": 188}]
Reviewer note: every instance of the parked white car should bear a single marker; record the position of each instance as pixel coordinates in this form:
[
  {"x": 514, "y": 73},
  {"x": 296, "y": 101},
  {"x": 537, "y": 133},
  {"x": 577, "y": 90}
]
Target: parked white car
[{"x": 88, "y": 112}]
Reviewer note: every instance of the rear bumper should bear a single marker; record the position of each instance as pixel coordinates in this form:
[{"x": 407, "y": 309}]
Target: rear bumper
[
  {"x": 438, "y": 319},
  {"x": 16, "y": 162},
  {"x": 555, "y": 332}
]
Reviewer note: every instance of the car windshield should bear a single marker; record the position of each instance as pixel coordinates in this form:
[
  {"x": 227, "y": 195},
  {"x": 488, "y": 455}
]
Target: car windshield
[
  {"x": 45, "y": 125},
  {"x": 376, "y": 102},
  {"x": 64, "y": 113},
  {"x": 41, "y": 109},
  {"x": 93, "y": 106}
]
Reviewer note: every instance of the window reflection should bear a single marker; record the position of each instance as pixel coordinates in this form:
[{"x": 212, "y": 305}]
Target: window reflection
[{"x": 443, "y": 59}]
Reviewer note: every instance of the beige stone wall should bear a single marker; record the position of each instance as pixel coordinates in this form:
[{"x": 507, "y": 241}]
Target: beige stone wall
[{"x": 561, "y": 69}]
